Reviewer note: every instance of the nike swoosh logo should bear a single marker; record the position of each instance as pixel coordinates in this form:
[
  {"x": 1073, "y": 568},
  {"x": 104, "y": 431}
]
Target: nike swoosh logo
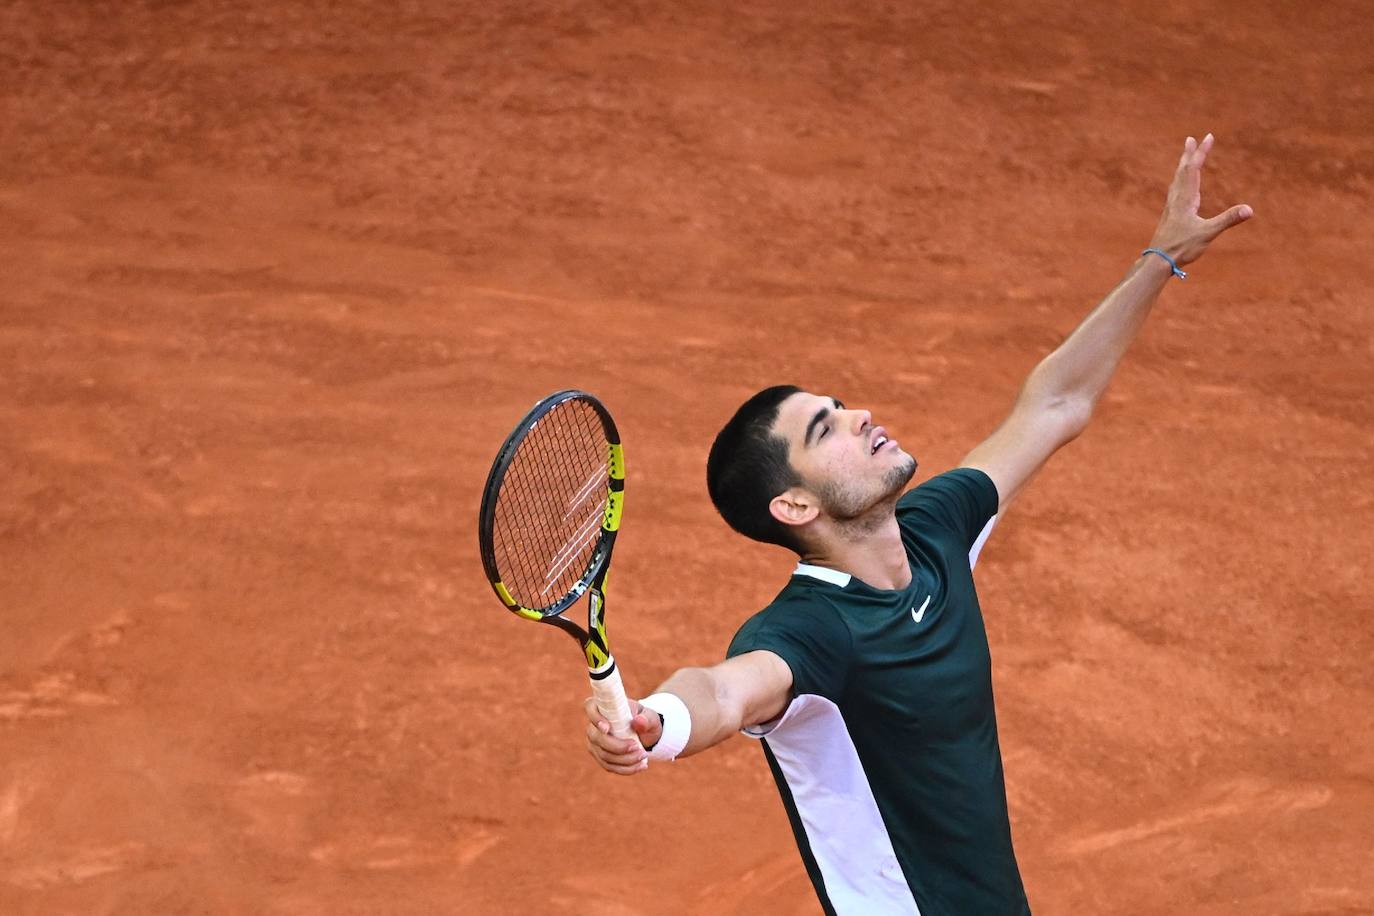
[{"x": 917, "y": 615}]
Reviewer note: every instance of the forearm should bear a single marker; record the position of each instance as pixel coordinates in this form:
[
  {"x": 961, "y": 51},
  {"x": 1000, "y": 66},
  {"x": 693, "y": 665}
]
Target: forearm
[
  {"x": 1079, "y": 369},
  {"x": 694, "y": 709},
  {"x": 714, "y": 718}
]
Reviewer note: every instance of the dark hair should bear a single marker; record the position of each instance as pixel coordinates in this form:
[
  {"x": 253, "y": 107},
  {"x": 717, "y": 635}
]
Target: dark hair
[{"x": 748, "y": 466}]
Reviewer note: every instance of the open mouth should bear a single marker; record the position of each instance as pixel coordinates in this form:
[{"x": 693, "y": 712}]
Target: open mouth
[{"x": 879, "y": 440}]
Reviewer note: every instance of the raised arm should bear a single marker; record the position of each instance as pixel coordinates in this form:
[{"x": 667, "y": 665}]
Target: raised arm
[
  {"x": 1059, "y": 395},
  {"x": 745, "y": 690}
]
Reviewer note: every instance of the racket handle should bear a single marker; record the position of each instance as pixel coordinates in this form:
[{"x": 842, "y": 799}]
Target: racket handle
[{"x": 609, "y": 693}]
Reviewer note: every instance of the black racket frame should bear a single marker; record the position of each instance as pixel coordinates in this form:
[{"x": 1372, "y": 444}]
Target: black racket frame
[{"x": 593, "y": 579}]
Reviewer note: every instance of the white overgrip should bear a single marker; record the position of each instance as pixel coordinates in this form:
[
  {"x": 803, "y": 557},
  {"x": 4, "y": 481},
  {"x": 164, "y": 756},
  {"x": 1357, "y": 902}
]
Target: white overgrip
[{"x": 609, "y": 693}]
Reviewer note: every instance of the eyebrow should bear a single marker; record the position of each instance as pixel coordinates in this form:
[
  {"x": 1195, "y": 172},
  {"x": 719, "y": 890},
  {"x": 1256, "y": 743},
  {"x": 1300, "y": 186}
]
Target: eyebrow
[{"x": 817, "y": 419}]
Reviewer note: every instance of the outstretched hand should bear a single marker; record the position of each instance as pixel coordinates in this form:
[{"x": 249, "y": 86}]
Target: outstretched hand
[
  {"x": 624, "y": 756},
  {"x": 1181, "y": 232}
]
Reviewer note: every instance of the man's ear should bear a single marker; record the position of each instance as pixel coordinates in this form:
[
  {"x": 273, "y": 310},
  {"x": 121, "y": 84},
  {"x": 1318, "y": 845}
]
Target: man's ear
[{"x": 794, "y": 506}]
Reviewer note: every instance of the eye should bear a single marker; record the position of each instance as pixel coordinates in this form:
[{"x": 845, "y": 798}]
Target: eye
[{"x": 824, "y": 430}]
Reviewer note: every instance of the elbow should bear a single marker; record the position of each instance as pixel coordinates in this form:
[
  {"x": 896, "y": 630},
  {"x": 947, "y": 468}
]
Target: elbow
[
  {"x": 1071, "y": 416},
  {"x": 730, "y": 707},
  {"x": 1069, "y": 407}
]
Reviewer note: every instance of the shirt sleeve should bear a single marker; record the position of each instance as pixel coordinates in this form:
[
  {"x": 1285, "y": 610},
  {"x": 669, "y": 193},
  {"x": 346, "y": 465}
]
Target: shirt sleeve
[
  {"x": 959, "y": 501},
  {"x": 810, "y": 637}
]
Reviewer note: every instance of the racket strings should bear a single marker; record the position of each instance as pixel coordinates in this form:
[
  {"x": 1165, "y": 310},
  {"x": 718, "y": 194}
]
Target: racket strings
[{"x": 549, "y": 509}]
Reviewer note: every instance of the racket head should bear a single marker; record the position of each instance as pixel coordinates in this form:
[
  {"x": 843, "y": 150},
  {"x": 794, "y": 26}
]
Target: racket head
[{"x": 551, "y": 505}]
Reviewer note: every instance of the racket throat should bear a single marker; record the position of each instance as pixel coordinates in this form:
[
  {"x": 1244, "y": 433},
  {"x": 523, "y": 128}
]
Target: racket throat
[{"x": 595, "y": 645}]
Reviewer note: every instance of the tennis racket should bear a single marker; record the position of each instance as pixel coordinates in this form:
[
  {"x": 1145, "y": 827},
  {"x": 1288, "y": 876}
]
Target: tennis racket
[{"x": 549, "y": 518}]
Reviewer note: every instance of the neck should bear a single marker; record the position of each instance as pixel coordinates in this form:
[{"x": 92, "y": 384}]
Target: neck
[{"x": 868, "y": 547}]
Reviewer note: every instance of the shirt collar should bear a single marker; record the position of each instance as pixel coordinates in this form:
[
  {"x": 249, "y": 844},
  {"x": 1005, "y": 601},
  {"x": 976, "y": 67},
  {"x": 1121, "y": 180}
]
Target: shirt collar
[{"x": 824, "y": 573}]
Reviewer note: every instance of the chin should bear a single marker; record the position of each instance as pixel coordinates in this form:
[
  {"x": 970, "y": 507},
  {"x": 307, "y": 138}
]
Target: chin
[{"x": 901, "y": 473}]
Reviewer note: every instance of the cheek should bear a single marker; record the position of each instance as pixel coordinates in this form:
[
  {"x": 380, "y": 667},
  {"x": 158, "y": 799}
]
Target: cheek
[
  {"x": 842, "y": 459},
  {"x": 819, "y": 464}
]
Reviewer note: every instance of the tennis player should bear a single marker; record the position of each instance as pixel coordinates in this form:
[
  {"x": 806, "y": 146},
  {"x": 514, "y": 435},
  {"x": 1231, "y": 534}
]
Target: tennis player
[{"x": 868, "y": 677}]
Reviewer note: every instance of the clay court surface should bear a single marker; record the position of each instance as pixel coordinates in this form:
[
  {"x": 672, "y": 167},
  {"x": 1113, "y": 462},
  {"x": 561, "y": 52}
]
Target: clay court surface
[{"x": 278, "y": 277}]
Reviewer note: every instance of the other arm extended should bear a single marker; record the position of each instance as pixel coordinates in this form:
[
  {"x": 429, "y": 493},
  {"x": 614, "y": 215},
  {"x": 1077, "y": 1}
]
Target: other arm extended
[
  {"x": 1059, "y": 395},
  {"x": 741, "y": 691}
]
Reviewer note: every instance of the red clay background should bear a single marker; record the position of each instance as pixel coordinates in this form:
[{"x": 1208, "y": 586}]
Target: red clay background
[{"x": 277, "y": 277}]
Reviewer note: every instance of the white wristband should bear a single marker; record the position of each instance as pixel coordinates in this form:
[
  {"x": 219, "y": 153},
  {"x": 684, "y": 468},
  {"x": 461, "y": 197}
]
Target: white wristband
[{"x": 677, "y": 725}]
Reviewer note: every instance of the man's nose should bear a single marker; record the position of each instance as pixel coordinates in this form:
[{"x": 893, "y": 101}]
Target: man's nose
[{"x": 862, "y": 419}]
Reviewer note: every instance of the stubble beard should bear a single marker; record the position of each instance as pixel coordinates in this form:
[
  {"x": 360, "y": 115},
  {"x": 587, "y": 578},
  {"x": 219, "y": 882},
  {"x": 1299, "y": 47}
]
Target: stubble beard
[{"x": 847, "y": 503}]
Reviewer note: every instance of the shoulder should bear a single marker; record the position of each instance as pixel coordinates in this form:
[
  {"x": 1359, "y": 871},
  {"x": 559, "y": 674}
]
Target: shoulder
[
  {"x": 808, "y": 633},
  {"x": 965, "y": 485},
  {"x": 954, "y": 507},
  {"x": 798, "y": 612}
]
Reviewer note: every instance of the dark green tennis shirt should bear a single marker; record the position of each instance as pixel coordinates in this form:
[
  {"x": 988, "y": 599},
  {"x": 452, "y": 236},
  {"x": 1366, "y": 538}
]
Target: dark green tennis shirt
[{"x": 887, "y": 757}]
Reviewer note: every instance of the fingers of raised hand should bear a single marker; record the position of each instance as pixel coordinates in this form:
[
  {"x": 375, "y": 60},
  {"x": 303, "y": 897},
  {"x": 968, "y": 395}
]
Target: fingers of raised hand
[
  {"x": 1195, "y": 153},
  {"x": 1199, "y": 157},
  {"x": 1228, "y": 218},
  {"x": 1184, "y": 174},
  {"x": 1189, "y": 149},
  {"x": 1187, "y": 186}
]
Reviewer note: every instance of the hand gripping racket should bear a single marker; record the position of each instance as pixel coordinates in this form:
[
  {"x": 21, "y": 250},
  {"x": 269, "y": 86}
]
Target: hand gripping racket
[{"x": 550, "y": 513}]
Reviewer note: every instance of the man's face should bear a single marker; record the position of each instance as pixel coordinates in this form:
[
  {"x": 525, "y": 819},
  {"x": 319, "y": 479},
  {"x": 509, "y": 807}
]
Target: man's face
[{"x": 846, "y": 461}]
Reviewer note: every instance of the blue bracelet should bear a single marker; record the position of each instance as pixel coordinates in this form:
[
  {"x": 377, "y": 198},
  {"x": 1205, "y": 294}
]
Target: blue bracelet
[{"x": 1172, "y": 265}]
